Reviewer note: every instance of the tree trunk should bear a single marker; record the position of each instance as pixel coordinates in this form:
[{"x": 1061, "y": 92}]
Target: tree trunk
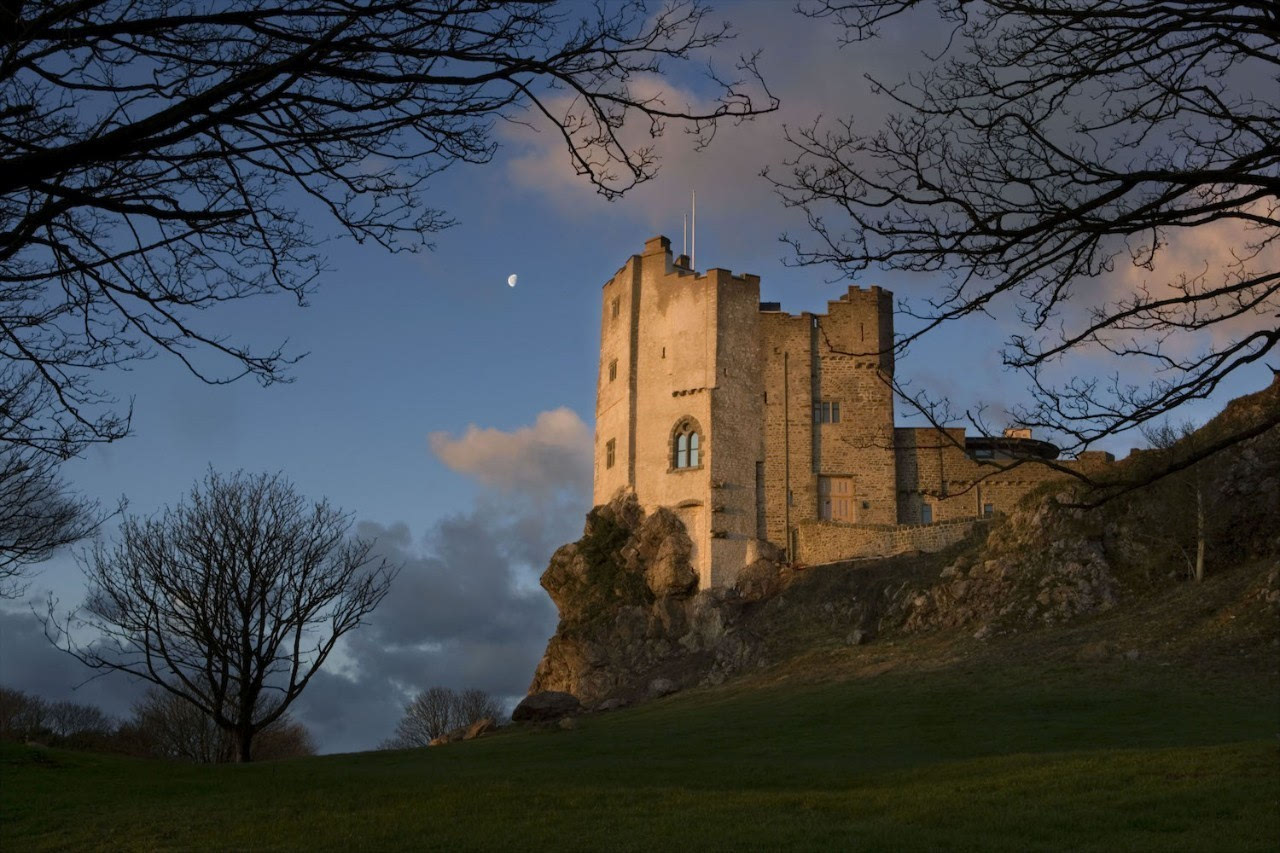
[
  {"x": 1200, "y": 525},
  {"x": 244, "y": 739}
]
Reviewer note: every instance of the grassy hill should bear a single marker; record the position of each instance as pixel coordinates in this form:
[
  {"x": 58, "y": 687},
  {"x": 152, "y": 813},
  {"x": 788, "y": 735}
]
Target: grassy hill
[
  {"x": 929, "y": 744},
  {"x": 984, "y": 714}
]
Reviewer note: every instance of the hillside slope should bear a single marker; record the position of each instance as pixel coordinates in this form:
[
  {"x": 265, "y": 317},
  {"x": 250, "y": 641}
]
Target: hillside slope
[{"x": 1117, "y": 755}]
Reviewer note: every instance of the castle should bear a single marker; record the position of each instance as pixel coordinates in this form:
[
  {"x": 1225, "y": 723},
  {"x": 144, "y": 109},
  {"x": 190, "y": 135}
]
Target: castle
[{"x": 755, "y": 425}]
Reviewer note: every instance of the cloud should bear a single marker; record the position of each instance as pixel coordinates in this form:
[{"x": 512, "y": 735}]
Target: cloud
[
  {"x": 465, "y": 610},
  {"x": 1205, "y": 257},
  {"x": 552, "y": 455},
  {"x": 31, "y": 664}
]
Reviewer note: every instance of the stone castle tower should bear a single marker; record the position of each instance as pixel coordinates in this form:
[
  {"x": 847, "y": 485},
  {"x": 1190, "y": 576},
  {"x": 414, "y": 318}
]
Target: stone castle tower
[{"x": 756, "y": 425}]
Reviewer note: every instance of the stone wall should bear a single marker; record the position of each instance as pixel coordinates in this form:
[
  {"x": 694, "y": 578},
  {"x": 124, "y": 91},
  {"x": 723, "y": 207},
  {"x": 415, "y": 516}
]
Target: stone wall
[
  {"x": 828, "y": 541},
  {"x": 934, "y": 470}
]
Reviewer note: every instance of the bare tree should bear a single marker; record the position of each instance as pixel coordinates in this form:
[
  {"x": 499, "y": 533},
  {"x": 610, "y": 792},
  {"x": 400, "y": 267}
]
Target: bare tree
[
  {"x": 431, "y": 713},
  {"x": 230, "y": 601},
  {"x": 1180, "y": 503},
  {"x": 1051, "y": 146},
  {"x": 38, "y": 514},
  {"x": 67, "y": 719},
  {"x": 474, "y": 705},
  {"x": 153, "y": 154},
  {"x": 166, "y": 726},
  {"x": 438, "y": 710},
  {"x": 22, "y": 716}
]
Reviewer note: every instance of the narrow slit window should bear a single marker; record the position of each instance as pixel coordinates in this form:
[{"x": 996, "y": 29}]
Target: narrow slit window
[
  {"x": 613, "y": 370},
  {"x": 609, "y": 453}
]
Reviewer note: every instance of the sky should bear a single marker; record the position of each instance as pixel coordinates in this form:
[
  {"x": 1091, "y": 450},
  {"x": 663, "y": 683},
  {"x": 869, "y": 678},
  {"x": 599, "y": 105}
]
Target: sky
[{"x": 451, "y": 414}]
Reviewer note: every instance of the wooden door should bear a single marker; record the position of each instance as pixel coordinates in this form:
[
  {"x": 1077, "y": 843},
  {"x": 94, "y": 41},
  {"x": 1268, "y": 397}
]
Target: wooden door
[{"x": 835, "y": 498}]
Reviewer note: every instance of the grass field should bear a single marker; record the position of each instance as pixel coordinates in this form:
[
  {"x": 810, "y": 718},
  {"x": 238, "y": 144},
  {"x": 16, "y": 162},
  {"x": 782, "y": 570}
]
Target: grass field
[{"x": 1109, "y": 757}]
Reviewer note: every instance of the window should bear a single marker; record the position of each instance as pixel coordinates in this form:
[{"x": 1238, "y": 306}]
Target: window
[
  {"x": 687, "y": 452},
  {"x": 608, "y": 453},
  {"x": 988, "y": 510},
  {"x": 613, "y": 370},
  {"x": 617, "y": 306},
  {"x": 826, "y": 412},
  {"x": 926, "y": 513},
  {"x": 983, "y": 453}
]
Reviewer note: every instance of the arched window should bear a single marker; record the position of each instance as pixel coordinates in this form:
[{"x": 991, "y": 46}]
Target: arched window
[{"x": 686, "y": 445}]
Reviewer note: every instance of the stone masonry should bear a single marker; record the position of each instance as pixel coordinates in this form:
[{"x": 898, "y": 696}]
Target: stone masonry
[{"x": 755, "y": 425}]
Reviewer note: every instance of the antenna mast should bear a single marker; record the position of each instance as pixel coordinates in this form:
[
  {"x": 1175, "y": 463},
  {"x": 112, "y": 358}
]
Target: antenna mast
[
  {"x": 684, "y": 241},
  {"x": 693, "y": 259}
]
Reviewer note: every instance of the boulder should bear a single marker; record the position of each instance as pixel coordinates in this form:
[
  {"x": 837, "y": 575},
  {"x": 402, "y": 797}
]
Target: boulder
[
  {"x": 480, "y": 727},
  {"x": 662, "y": 687},
  {"x": 611, "y": 704},
  {"x": 545, "y": 706}
]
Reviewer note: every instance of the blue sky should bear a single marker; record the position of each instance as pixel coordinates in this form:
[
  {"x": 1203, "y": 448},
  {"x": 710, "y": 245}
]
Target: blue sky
[{"x": 405, "y": 346}]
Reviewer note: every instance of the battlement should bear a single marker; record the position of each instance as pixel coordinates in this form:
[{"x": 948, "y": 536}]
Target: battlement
[{"x": 874, "y": 297}]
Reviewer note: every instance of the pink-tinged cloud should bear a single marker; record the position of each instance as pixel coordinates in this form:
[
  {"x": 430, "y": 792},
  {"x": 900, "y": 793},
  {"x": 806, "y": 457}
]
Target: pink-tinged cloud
[{"x": 554, "y": 454}]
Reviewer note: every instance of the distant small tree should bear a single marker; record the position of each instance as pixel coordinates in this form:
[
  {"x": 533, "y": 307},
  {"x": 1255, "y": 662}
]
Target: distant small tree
[
  {"x": 22, "y": 716},
  {"x": 438, "y": 710},
  {"x": 68, "y": 720},
  {"x": 1180, "y": 498},
  {"x": 474, "y": 705},
  {"x": 231, "y": 601}
]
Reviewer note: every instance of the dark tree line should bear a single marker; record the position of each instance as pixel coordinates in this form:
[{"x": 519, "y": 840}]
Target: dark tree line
[
  {"x": 1050, "y": 146},
  {"x": 160, "y": 726}
]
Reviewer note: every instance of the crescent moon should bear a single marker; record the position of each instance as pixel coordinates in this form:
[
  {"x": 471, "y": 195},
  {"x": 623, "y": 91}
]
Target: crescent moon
[{"x": 511, "y": 280}]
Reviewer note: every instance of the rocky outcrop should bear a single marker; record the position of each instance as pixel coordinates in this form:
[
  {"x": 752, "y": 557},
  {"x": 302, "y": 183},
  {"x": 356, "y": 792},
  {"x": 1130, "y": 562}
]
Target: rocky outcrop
[
  {"x": 480, "y": 727},
  {"x": 632, "y": 623},
  {"x": 1036, "y": 569}
]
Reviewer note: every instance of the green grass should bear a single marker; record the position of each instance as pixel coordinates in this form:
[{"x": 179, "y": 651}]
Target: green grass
[{"x": 1111, "y": 757}]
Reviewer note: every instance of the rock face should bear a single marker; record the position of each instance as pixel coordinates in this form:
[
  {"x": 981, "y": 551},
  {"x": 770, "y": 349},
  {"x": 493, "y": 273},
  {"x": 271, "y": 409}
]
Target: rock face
[{"x": 1036, "y": 569}]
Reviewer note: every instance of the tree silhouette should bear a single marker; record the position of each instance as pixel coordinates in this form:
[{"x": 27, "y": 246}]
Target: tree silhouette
[
  {"x": 156, "y": 157},
  {"x": 1050, "y": 147},
  {"x": 231, "y": 601}
]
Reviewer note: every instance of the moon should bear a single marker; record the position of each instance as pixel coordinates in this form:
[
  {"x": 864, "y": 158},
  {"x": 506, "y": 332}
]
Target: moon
[{"x": 511, "y": 280}]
